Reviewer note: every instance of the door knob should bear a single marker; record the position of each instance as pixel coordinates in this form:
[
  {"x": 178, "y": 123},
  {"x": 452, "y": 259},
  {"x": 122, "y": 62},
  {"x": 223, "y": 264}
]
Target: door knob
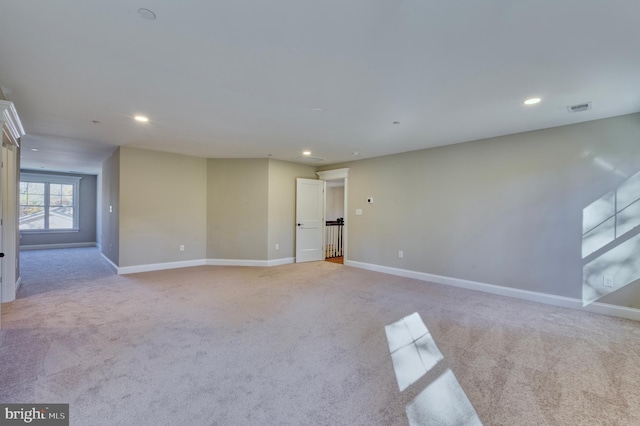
[{"x": 1, "y": 254}]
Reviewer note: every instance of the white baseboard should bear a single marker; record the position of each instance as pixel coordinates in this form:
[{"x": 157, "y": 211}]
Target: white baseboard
[
  {"x": 248, "y": 262},
  {"x": 123, "y": 270},
  {"x": 113, "y": 265},
  {"x": 283, "y": 261},
  {"x": 550, "y": 299},
  {"x": 236, "y": 262},
  {"x": 56, "y": 246}
]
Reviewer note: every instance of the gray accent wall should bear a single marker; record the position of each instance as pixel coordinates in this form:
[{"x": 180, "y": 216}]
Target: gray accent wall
[
  {"x": 86, "y": 219},
  {"x": 163, "y": 204},
  {"x": 110, "y": 240},
  {"x": 504, "y": 211}
]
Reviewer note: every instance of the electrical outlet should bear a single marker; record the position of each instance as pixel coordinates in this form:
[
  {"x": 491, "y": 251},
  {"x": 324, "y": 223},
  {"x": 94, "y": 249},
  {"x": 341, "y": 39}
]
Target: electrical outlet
[
  {"x": 607, "y": 281},
  {"x": 277, "y": 246},
  {"x": 110, "y": 209},
  {"x": 401, "y": 254},
  {"x": 181, "y": 247}
]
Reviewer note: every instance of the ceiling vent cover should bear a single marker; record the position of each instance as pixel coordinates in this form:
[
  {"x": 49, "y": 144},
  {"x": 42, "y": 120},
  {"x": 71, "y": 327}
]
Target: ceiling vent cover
[
  {"x": 579, "y": 107},
  {"x": 309, "y": 159}
]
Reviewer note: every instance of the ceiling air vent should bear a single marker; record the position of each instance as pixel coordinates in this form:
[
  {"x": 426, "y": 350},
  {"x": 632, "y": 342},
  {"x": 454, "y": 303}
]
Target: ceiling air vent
[
  {"x": 579, "y": 107},
  {"x": 309, "y": 159}
]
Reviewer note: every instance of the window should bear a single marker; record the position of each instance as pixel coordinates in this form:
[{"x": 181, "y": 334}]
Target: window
[{"x": 48, "y": 203}]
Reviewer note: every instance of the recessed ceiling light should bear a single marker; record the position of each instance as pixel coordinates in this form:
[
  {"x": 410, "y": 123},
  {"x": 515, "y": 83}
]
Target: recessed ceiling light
[
  {"x": 306, "y": 152},
  {"x": 396, "y": 122},
  {"x": 147, "y": 14},
  {"x": 316, "y": 110},
  {"x": 141, "y": 118},
  {"x": 34, "y": 149},
  {"x": 532, "y": 101}
]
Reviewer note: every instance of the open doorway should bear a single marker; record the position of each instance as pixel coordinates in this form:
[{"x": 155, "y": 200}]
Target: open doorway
[
  {"x": 334, "y": 216},
  {"x": 336, "y": 208}
]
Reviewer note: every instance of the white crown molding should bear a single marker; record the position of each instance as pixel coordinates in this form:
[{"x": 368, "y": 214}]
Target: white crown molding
[
  {"x": 334, "y": 174},
  {"x": 9, "y": 116}
]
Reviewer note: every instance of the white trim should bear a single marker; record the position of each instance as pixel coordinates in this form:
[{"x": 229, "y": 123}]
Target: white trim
[
  {"x": 113, "y": 265},
  {"x": 123, "y": 270},
  {"x": 334, "y": 174},
  {"x": 550, "y": 299},
  {"x": 282, "y": 261},
  {"x": 9, "y": 220},
  {"x": 56, "y": 246},
  {"x": 9, "y": 116},
  {"x": 18, "y": 284},
  {"x": 49, "y": 179},
  {"x": 237, "y": 262},
  {"x": 337, "y": 174}
]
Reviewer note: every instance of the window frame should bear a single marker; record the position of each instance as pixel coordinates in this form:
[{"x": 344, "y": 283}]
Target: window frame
[{"x": 47, "y": 180}]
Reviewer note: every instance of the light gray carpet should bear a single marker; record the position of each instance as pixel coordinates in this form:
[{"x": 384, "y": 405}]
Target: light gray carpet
[
  {"x": 303, "y": 344},
  {"x": 50, "y": 270}
]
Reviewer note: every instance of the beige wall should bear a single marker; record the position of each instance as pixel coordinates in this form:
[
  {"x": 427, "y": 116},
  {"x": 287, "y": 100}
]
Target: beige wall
[
  {"x": 282, "y": 205},
  {"x": 505, "y": 211},
  {"x": 162, "y": 206},
  {"x": 237, "y": 208},
  {"x": 111, "y": 198}
]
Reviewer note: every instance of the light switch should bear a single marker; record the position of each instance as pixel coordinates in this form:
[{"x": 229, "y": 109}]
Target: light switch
[{"x": 358, "y": 212}]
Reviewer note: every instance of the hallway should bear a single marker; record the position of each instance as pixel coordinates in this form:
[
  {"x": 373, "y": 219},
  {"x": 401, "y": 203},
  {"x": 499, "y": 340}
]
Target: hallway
[{"x": 46, "y": 270}]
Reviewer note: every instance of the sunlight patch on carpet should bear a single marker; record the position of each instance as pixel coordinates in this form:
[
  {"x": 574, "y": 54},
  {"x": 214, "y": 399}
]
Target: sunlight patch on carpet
[{"x": 414, "y": 353}]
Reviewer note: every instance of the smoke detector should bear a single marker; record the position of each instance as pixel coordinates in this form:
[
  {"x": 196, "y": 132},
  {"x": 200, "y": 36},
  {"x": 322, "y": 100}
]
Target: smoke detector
[{"x": 579, "y": 107}]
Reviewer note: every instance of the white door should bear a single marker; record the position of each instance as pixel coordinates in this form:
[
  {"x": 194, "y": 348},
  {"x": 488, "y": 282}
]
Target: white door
[{"x": 309, "y": 220}]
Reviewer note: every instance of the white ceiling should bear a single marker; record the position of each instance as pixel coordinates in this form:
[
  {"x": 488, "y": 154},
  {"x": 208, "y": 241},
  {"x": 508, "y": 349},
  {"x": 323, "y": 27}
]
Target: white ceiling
[{"x": 240, "y": 78}]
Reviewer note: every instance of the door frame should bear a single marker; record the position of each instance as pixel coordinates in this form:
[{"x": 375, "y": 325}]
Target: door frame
[
  {"x": 12, "y": 131},
  {"x": 339, "y": 174}
]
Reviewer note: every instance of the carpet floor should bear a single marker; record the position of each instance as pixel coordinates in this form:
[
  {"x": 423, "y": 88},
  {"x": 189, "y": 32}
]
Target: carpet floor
[{"x": 300, "y": 344}]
